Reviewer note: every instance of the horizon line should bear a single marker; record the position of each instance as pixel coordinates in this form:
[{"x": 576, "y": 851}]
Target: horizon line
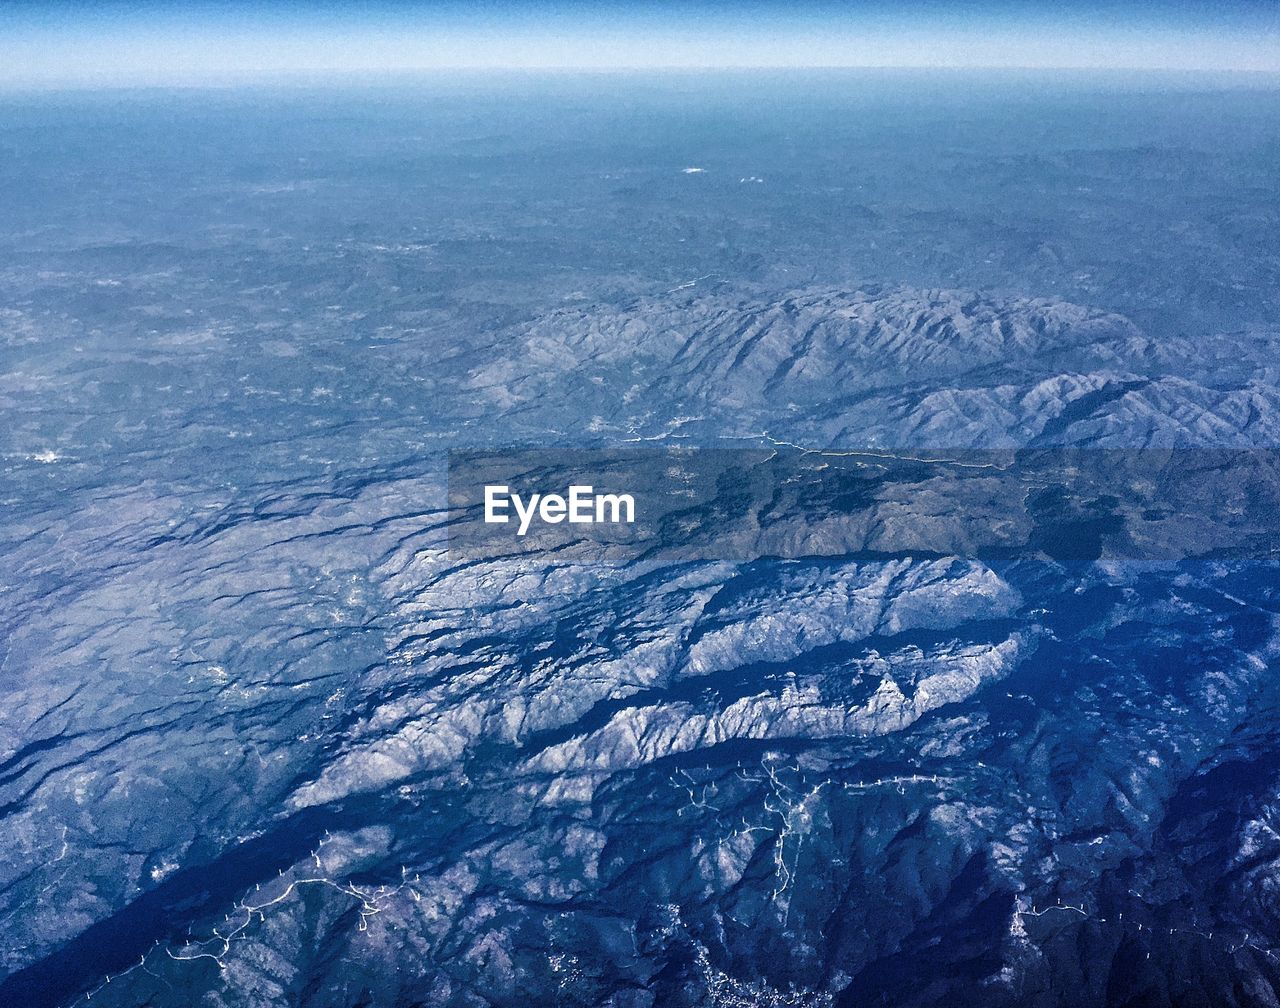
[{"x": 319, "y": 74}]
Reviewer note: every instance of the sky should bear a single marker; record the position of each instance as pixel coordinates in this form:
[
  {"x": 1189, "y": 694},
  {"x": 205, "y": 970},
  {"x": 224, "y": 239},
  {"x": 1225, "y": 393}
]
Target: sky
[{"x": 50, "y": 42}]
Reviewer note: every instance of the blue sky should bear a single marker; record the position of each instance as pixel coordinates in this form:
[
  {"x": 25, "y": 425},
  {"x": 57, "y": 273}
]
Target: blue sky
[{"x": 149, "y": 42}]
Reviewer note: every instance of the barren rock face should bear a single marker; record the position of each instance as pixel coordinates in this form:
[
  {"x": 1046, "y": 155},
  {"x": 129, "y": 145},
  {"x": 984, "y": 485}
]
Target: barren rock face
[
  {"x": 943, "y": 676},
  {"x": 887, "y": 367}
]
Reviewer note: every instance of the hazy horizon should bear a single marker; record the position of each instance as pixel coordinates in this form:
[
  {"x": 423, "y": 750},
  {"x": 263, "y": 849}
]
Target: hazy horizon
[{"x": 51, "y": 43}]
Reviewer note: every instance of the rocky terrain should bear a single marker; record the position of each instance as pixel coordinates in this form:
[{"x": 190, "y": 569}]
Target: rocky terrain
[{"x": 941, "y": 672}]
